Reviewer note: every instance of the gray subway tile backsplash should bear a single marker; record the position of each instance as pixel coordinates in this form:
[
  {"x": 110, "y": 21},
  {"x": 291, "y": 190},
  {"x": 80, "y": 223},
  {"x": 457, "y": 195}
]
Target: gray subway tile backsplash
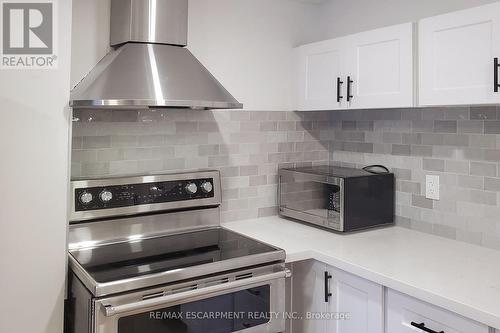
[
  {"x": 470, "y": 126},
  {"x": 458, "y": 167},
  {"x": 483, "y": 112},
  {"x": 246, "y": 146},
  {"x": 430, "y": 164},
  {"x": 422, "y": 202},
  {"x": 445, "y": 126},
  {"x": 492, "y": 127},
  {"x": 483, "y": 169},
  {"x": 460, "y": 144},
  {"x": 404, "y": 150},
  {"x": 424, "y": 151},
  {"x": 492, "y": 184},
  {"x": 92, "y": 142},
  {"x": 472, "y": 182}
]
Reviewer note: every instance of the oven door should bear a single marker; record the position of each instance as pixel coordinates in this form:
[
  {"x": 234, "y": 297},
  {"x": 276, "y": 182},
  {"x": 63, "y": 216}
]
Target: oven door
[
  {"x": 241, "y": 303},
  {"x": 312, "y": 198}
]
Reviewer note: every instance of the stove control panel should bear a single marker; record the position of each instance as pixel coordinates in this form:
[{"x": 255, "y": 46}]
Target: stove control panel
[{"x": 147, "y": 193}]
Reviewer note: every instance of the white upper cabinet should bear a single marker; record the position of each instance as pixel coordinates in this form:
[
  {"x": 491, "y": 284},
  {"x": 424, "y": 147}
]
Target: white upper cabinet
[
  {"x": 456, "y": 57},
  {"x": 372, "y": 69},
  {"x": 381, "y": 65},
  {"x": 319, "y": 67}
]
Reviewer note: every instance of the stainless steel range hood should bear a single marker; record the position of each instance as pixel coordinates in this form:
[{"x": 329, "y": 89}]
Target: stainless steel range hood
[{"x": 149, "y": 66}]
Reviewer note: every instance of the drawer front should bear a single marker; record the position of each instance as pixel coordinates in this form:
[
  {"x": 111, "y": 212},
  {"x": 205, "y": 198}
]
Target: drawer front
[{"x": 405, "y": 313}]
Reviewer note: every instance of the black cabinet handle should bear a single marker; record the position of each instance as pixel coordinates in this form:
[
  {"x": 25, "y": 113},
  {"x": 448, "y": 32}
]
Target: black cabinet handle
[
  {"x": 495, "y": 74},
  {"x": 339, "y": 87},
  {"x": 423, "y": 328},
  {"x": 349, "y": 82},
  {"x": 328, "y": 294}
]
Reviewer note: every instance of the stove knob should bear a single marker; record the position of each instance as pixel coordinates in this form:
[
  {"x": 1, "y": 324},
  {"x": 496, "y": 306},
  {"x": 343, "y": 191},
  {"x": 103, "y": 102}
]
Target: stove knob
[
  {"x": 207, "y": 187},
  {"x": 106, "y": 196},
  {"x": 86, "y": 198},
  {"x": 191, "y": 188}
]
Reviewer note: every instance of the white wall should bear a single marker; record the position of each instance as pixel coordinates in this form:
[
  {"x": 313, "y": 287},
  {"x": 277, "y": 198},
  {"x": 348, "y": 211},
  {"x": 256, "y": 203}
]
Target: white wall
[
  {"x": 90, "y": 35},
  {"x": 34, "y": 145},
  {"x": 246, "y": 44},
  {"x": 343, "y": 17}
]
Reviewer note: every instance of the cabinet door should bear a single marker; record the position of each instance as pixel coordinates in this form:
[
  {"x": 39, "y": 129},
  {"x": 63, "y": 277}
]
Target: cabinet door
[
  {"x": 456, "y": 57},
  {"x": 308, "y": 296},
  {"x": 381, "y": 66},
  {"x": 361, "y": 300},
  {"x": 319, "y": 66},
  {"x": 404, "y": 314}
]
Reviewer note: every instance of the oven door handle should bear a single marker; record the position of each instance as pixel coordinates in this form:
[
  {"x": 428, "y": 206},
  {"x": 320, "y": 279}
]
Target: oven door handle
[{"x": 111, "y": 310}]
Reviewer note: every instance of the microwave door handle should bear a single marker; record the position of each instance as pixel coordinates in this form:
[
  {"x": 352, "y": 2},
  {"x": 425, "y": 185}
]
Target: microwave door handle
[
  {"x": 110, "y": 310},
  {"x": 279, "y": 193}
]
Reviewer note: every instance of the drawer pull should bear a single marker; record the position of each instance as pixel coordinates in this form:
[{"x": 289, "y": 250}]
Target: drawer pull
[{"x": 423, "y": 328}]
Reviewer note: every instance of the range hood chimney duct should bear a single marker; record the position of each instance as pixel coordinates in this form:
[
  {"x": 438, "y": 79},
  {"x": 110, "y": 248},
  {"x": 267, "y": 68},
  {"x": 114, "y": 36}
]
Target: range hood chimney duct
[{"x": 149, "y": 66}]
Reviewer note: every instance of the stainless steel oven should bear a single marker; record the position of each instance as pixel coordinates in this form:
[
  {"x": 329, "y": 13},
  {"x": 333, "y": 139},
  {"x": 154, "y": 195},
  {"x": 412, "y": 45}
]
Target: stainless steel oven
[{"x": 147, "y": 254}]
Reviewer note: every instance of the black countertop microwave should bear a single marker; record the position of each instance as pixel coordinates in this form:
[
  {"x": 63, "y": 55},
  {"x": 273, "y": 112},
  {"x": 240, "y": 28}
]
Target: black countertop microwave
[{"x": 341, "y": 199}]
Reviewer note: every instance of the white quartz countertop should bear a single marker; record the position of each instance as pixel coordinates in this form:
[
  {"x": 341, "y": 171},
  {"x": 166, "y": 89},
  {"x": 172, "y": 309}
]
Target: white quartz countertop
[{"x": 459, "y": 277}]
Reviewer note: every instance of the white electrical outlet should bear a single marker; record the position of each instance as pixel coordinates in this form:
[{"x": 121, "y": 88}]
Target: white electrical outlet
[{"x": 432, "y": 187}]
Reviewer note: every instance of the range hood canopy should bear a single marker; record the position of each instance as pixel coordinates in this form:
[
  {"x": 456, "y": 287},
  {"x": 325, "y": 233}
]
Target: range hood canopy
[{"x": 149, "y": 66}]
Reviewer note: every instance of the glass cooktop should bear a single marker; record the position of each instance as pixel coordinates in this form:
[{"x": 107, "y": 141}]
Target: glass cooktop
[{"x": 170, "y": 253}]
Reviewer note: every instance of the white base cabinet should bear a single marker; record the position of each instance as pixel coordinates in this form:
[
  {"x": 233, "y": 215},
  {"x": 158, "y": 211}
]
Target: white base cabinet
[
  {"x": 333, "y": 301},
  {"x": 456, "y": 57},
  {"x": 308, "y": 296},
  {"x": 358, "y": 299},
  {"x": 373, "y": 69},
  {"x": 405, "y": 314},
  {"x": 325, "y": 299}
]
